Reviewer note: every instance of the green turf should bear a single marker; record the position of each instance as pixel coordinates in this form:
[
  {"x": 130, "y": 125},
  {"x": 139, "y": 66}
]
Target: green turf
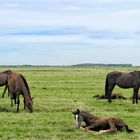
[{"x": 59, "y": 91}]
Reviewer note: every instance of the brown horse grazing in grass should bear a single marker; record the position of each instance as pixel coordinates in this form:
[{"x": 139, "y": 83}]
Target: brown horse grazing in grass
[
  {"x": 101, "y": 126},
  {"x": 4, "y": 80},
  {"x": 123, "y": 80},
  {"x": 17, "y": 85},
  {"x": 113, "y": 96}
]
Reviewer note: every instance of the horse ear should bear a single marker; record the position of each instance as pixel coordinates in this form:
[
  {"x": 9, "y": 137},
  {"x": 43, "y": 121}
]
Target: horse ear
[
  {"x": 73, "y": 113},
  {"x": 78, "y": 111}
]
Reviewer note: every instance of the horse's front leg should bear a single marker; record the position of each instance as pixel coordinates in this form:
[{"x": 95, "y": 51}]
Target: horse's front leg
[
  {"x": 4, "y": 91},
  {"x": 110, "y": 89},
  {"x": 24, "y": 103},
  {"x": 92, "y": 126}
]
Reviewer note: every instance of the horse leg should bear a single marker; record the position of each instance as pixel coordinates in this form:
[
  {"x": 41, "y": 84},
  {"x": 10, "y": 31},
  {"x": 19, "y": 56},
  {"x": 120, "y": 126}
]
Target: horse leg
[
  {"x": 107, "y": 131},
  {"x": 11, "y": 96},
  {"x": 18, "y": 102},
  {"x": 112, "y": 129},
  {"x": 110, "y": 89},
  {"x": 24, "y": 103},
  {"x": 135, "y": 94},
  {"x": 4, "y": 91},
  {"x": 92, "y": 127},
  {"x": 15, "y": 101}
]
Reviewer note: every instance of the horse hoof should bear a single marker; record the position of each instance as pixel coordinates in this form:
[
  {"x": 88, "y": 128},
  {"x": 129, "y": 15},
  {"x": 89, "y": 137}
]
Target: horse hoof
[{"x": 109, "y": 101}]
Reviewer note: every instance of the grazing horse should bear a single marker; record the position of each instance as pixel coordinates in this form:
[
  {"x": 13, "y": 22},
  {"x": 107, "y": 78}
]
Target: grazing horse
[
  {"x": 4, "y": 80},
  {"x": 17, "y": 85},
  {"x": 123, "y": 80},
  {"x": 101, "y": 126}
]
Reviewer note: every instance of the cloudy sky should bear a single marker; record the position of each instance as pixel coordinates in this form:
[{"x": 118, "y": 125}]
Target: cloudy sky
[{"x": 65, "y": 32}]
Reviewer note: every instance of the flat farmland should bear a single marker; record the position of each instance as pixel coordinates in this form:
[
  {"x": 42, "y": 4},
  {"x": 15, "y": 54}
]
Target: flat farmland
[{"x": 58, "y": 91}]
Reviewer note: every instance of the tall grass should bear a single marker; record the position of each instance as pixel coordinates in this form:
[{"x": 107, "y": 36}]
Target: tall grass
[{"x": 58, "y": 92}]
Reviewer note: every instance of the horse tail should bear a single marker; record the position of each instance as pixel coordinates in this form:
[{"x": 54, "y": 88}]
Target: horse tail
[
  {"x": 26, "y": 84},
  {"x": 128, "y": 130},
  {"x": 106, "y": 86}
]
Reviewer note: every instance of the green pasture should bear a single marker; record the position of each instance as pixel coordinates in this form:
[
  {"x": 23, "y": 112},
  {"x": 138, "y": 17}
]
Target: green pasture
[{"x": 58, "y": 91}]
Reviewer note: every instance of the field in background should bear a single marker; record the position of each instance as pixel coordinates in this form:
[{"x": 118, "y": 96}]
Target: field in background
[{"x": 58, "y": 91}]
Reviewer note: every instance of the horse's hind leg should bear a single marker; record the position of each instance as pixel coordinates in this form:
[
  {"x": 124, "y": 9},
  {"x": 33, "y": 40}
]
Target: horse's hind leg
[
  {"x": 4, "y": 91},
  {"x": 18, "y": 102},
  {"x": 112, "y": 129},
  {"x": 11, "y": 99}
]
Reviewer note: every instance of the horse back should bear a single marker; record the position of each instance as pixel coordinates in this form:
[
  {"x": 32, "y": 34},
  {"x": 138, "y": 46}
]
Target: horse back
[
  {"x": 4, "y": 77},
  {"x": 13, "y": 82},
  {"x": 111, "y": 122},
  {"x": 113, "y": 76},
  {"x": 128, "y": 80}
]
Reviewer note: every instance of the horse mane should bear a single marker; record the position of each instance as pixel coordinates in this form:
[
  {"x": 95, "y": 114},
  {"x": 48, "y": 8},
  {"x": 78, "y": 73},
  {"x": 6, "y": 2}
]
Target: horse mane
[
  {"x": 87, "y": 114},
  {"x": 7, "y": 71},
  {"x": 26, "y": 84}
]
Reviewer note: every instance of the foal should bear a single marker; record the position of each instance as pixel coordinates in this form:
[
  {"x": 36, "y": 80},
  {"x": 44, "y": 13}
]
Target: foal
[{"x": 100, "y": 125}]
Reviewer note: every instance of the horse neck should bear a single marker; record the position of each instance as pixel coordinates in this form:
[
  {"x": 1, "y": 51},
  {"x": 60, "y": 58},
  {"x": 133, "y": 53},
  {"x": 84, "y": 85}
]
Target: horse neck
[
  {"x": 139, "y": 74},
  {"x": 26, "y": 92},
  {"x": 3, "y": 79},
  {"x": 88, "y": 118}
]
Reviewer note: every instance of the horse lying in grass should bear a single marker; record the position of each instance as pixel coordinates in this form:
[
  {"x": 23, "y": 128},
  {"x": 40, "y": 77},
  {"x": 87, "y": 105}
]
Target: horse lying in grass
[
  {"x": 17, "y": 85},
  {"x": 113, "y": 96},
  {"x": 123, "y": 80},
  {"x": 101, "y": 126},
  {"x": 4, "y": 80}
]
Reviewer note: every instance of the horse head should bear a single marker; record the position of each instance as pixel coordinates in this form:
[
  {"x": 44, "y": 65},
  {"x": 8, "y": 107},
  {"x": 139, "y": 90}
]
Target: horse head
[
  {"x": 29, "y": 104},
  {"x": 78, "y": 117}
]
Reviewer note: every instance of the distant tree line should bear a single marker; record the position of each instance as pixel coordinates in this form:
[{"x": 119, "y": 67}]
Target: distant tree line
[
  {"x": 102, "y": 65},
  {"x": 77, "y": 65}
]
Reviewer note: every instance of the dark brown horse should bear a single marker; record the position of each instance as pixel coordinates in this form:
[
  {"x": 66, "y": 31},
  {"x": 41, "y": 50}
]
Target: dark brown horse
[
  {"x": 100, "y": 125},
  {"x": 17, "y": 85},
  {"x": 4, "y": 80},
  {"x": 123, "y": 80}
]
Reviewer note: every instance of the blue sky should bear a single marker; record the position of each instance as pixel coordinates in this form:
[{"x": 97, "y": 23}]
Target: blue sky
[{"x": 65, "y": 32}]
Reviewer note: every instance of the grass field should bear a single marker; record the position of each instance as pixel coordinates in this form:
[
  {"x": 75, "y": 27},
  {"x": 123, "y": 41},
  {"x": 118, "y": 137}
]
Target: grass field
[{"x": 59, "y": 91}]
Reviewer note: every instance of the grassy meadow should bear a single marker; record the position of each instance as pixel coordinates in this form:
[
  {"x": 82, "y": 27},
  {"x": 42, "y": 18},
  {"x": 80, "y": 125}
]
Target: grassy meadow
[{"x": 58, "y": 91}]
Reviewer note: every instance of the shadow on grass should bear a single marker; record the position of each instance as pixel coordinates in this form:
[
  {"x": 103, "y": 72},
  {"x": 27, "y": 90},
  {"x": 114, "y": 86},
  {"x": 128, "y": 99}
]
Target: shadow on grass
[{"x": 2, "y": 109}]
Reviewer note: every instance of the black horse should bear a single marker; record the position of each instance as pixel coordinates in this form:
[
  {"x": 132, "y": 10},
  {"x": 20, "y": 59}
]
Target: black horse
[
  {"x": 123, "y": 80},
  {"x": 4, "y": 80},
  {"x": 100, "y": 125}
]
